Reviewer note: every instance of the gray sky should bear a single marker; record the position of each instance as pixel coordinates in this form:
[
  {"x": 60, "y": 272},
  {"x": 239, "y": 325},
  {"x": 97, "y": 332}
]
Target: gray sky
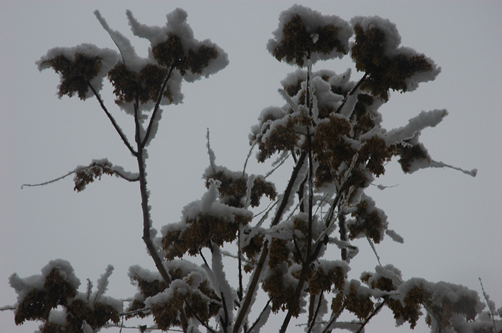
[{"x": 450, "y": 222}]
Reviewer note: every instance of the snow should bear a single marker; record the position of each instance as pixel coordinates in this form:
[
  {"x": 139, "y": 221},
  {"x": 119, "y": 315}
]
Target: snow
[
  {"x": 23, "y": 286},
  {"x": 312, "y": 20},
  {"x": 349, "y": 105},
  {"x": 222, "y": 283},
  {"x": 392, "y": 37},
  {"x": 391, "y": 47},
  {"x": 262, "y": 320},
  {"x": 103, "y": 280},
  {"x": 177, "y": 25},
  {"x": 415, "y": 125},
  {"x": 127, "y": 51},
  {"x": 57, "y": 317},
  {"x": 109, "y": 58},
  {"x": 395, "y": 237}
]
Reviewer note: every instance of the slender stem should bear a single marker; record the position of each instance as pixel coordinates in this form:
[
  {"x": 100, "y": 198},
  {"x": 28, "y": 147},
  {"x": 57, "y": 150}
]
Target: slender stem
[
  {"x": 312, "y": 322},
  {"x": 224, "y": 321},
  {"x": 352, "y": 92},
  {"x": 146, "y": 211},
  {"x": 333, "y": 318},
  {"x": 257, "y": 272},
  {"x": 198, "y": 318},
  {"x": 239, "y": 255},
  {"x": 156, "y": 108},
  {"x": 114, "y": 123},
  {"x": 371, "y": 316},
  {"x": 343, "y": 234},
  {"x": 258, "y": 319},
  {"x": 311, "y": 197},
  {"x": 311, "y": 309},
  {"x": 299, "y": 288},
  {"x": 252, "y": 288}
]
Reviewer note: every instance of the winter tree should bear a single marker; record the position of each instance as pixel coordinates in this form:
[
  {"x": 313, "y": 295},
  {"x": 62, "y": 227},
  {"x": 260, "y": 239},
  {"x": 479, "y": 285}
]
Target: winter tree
[{"x": 291, "y": 246}]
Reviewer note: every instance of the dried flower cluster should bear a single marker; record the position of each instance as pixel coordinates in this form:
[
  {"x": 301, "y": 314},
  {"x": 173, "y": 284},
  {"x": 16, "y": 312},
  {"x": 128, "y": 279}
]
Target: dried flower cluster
[
  {"x": 75, "y": 75},
  {"x": 56, "y": 288}
]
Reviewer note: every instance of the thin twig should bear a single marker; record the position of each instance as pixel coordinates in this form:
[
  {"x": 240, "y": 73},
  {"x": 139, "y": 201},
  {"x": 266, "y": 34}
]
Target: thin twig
[
  {"x": 8, "y": 307},
  {"x": 277, "y": 166},
  {"x": 134, "y": 312},
  {"x": 146, "y": 328},
  {"x": 371, "y": 316},
  {"x": 333, "y": 318},
  {"x": 114, "y": 123},
  {"x": 210, "y": 152},
  {"x": 156, "y": 108},
  {"x": 115, "y": 172},
  {"x": 488, "y": 303},
  {"x": 374, "y": 249},
  {"x": 258, "y": 319},
  {"x": 48, "y": 182},
  {"x": 247, "y": 158},
  {"x": 257, "y": 272},
  {"x": 312, "y": 323},
  {"x": 209, "y": 328},
  {"x": 352, "y": 92}
]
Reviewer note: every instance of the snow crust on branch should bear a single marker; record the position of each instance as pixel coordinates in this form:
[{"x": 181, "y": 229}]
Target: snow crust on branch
[
  {"x": 126, "y": 49},
  {"x": 416, "y": 124}
]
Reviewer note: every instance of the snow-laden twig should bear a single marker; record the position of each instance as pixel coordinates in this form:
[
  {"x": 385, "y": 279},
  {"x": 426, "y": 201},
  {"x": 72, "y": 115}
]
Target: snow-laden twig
[
  {"x": 116, "y": 170},
  {"x": 103, "y": 282},
  {"x": 210, "y": 152},
  {"x": 48, "y": 182},
  {"x": 490, "y": 304},
  {"x": 471, "y": 173}
]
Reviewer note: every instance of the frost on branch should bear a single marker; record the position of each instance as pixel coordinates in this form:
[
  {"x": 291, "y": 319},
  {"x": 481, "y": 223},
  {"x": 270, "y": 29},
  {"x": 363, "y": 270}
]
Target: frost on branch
[
  {"x": 79, "y": 67},
  {"x": 39, "y": 296}
]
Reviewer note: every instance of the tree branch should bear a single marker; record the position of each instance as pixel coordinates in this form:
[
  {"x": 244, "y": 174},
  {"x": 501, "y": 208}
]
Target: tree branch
[
  {"x": 312, "y": 322},
  {"x": 114, "y": 123},
  {"x": 156, "y": 108},
  {"x": 352, "y": 91},
  {"x": 259, "y": 316},
  {"x": 371, "y": 316},
  {"x": 256, "y": 274}
]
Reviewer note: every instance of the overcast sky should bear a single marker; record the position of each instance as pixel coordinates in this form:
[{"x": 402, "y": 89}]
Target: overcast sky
[{"x": 450, "y": 221}]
